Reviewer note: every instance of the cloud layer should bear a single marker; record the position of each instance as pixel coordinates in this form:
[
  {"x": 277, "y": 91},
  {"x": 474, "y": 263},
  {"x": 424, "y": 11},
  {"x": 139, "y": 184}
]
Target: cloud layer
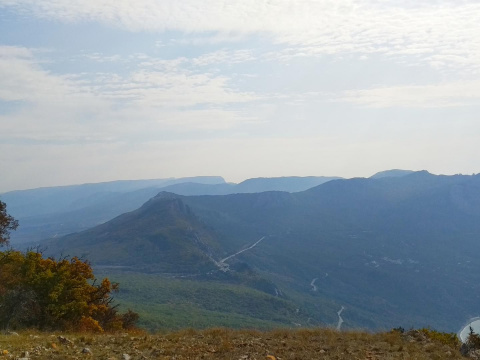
[
  {"x": 442, "y": 33},
  {"x": 324, "y": 87}
]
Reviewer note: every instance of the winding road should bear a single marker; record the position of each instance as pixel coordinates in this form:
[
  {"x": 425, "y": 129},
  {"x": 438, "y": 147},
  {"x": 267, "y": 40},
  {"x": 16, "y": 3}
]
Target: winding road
[
  {"x": 340, "y": 319},
  {"x": 241, "y": 251},
  {"x": 223, "y": 266}
]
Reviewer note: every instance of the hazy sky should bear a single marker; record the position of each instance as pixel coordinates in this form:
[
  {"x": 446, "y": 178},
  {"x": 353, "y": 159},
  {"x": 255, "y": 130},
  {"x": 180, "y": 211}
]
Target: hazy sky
[{"x": 98, "y": 90}]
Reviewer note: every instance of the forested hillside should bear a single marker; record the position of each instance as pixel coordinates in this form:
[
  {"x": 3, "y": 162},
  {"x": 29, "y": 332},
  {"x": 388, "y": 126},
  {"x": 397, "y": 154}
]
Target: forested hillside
[{"x": 389, "y": 251}]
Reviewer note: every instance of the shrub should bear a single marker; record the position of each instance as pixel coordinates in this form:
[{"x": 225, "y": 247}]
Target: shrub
[
  {"x": 449, "y": 339},
  {"x": 56, "y": 294}
]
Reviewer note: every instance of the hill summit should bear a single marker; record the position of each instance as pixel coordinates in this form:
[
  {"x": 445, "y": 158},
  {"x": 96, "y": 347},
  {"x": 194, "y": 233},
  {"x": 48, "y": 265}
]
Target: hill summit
[{"x": 163, "y": 235}]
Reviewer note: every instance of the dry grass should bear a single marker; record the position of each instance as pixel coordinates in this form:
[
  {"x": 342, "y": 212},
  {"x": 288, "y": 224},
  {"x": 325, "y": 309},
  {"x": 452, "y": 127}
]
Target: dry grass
[{"x": 221, "y": 343}]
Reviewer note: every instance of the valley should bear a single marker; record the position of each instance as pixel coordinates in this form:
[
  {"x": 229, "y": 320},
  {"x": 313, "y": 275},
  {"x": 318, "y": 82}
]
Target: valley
[{"x": 371, "y": 253}]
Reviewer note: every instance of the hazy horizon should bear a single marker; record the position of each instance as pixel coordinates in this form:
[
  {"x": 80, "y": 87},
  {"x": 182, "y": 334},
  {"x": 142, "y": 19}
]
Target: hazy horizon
[
  {"x": 101, "y": 90},
  {"x": 226, "y": 180}
]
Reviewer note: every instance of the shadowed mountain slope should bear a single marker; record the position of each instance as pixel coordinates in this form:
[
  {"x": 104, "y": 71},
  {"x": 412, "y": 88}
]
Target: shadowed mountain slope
[
  {"x": 402, "y": 249},
  {"x": 163, "y": 235}
]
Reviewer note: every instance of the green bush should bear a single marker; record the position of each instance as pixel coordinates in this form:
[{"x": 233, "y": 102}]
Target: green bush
[{"x": 450, "y": 339}]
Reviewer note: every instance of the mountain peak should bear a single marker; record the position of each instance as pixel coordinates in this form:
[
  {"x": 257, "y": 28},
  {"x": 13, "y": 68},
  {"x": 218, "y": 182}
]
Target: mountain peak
[
  {"x": 391, "y": 173},
  {"x": 169, "y": 204},
  {"x": 166, "y": 195}
]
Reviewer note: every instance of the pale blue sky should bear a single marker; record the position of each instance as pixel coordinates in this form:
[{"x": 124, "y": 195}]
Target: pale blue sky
[{"x": 99, "y": 90}]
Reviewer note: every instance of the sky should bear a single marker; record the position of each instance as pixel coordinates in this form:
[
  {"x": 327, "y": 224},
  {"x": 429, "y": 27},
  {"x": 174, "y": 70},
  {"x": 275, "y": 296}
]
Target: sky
[{"x": 100, "y": 90}]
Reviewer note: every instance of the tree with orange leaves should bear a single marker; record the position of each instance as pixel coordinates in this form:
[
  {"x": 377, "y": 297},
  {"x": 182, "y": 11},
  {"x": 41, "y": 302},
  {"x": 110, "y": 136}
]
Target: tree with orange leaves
[{"x": 56, "y": 294}]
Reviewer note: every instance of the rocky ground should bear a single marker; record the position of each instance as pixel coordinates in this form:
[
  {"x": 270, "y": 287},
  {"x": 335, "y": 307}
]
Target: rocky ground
[{"x": 226, "y": 344}]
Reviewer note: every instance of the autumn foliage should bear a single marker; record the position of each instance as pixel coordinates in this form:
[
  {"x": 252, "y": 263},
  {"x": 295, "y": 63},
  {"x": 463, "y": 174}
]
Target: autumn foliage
[{"x": 47, "y": 294}]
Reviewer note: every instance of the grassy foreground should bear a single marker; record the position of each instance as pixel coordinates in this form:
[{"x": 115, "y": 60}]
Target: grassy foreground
[{"x": 222, "y": 343}]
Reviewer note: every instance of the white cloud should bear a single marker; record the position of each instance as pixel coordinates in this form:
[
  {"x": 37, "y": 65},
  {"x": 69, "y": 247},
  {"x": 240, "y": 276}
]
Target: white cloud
[
  {"x": 102, "y": 58},
  {"x": 54, "y": 103},
  {"x": 394, "y": 28},
  {"x": 155, "y": 89},
  {"x": 20, "y": 76},
  {"x": 417, "y": 96},
  {"x": 204, "y": 119},
  {"x": 108, "y": 107},
  {"x": 15, "y": 52},
  {"x": 224, "y": 56},
  {"x": 211, "y": 38}
]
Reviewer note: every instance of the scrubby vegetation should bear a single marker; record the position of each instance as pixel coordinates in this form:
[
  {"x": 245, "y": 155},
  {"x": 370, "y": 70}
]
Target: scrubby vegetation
[
  {"x": 220, "y": 343},
  {"x": 450, "y": 339}
]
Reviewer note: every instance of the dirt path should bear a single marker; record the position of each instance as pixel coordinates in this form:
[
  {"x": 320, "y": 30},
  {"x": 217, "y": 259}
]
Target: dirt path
[{"x": 241, "y": 251}]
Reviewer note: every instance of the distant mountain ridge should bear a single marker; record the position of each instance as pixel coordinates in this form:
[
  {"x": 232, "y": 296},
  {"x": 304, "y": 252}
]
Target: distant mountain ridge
[
  {"x": 45, "y": 200},
  {"x": 57, "y": 211},
  {"x": 288, "y": 184}
]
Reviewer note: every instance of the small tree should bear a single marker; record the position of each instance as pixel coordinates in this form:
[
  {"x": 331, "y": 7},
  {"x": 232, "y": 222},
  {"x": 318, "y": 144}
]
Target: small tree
[
  {"x": 7, "y": 224},
  {"x": 56, "y": 294},
  {"x": 473, "y": 340}
]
